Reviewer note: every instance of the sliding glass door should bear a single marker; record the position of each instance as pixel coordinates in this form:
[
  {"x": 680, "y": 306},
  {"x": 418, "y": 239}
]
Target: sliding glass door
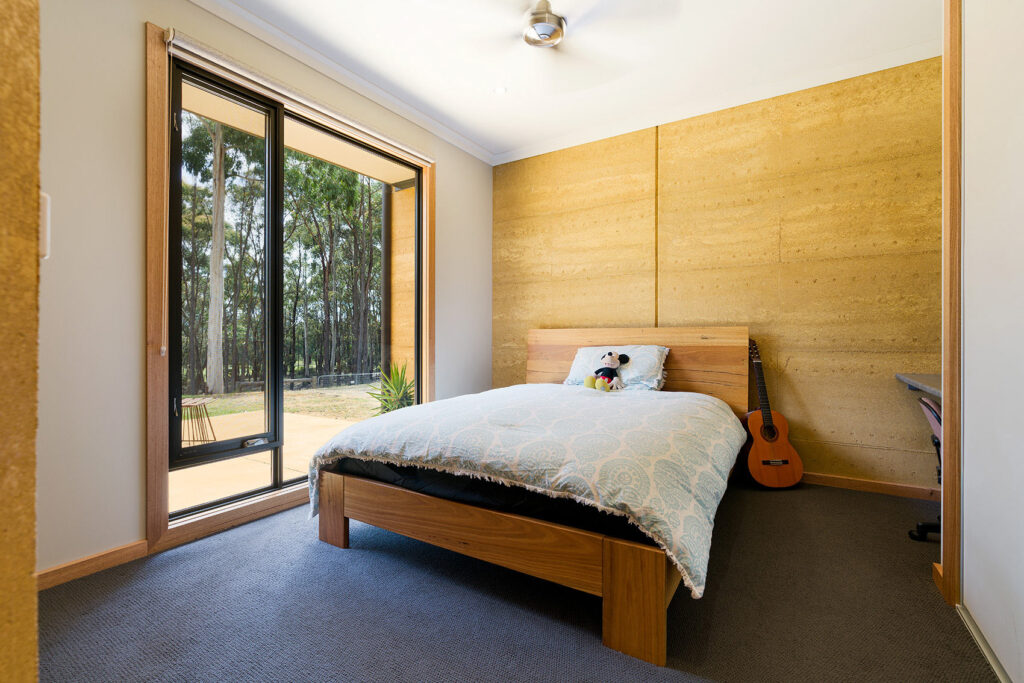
[
  {"x": 339, "y": 230},
  {"x": 293, "y": 282}
]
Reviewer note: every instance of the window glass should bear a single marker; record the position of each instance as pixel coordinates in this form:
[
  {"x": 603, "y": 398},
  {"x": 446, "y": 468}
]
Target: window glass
[
  {"x": 338, "y": 213},
  {"x": 213, "y": 481},
  {"x": 223, "y": 269},
  {"x": 292, "y": 290}
]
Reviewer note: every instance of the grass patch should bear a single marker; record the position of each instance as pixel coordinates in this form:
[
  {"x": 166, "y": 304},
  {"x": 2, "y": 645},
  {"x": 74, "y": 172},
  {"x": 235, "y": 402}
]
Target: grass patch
[{"x": 343, "y": 403}]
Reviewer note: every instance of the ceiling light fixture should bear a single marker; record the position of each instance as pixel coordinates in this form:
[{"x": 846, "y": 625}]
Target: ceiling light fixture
[
  {"x": 544, "y": 28},
  {"x": 501, "y": 90}
]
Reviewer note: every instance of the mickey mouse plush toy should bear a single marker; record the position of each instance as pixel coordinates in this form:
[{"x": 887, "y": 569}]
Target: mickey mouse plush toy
[{"x": 606, "y": 377}]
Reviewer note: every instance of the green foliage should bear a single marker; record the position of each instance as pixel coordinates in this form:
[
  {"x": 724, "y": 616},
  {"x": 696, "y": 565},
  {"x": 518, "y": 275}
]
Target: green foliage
[
  {"x": 332, "y": 253},
  {"x": 395, "y": 390},
  {"x": 332, "y": 261},
  {"x": 244, "y": 153}
]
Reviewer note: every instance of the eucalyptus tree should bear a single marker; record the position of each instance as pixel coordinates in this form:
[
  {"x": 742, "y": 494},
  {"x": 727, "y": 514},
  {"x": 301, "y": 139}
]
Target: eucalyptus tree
[
  {"x": 332, "y": 262},
  {"x": 215, "y": 153},
  {"x": 318, "y": 193},
  {"x": 197, "y": 208},
  {"x": 333, "y": 215}
]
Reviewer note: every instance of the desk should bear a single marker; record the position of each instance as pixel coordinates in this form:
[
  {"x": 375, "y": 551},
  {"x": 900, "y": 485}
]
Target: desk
[{"x": 929, "y": 384}]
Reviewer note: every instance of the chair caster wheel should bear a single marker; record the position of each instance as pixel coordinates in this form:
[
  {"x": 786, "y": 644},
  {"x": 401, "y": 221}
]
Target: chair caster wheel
[{"x": 923, "y": 529}]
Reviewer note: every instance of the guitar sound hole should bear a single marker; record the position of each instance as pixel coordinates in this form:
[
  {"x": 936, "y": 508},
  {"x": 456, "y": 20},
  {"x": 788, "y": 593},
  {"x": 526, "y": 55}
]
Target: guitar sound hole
[{"x": 769, "y": 432}]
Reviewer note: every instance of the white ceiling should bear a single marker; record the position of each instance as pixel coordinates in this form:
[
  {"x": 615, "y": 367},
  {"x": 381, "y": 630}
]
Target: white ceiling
[{"x": 624, "y": 64}]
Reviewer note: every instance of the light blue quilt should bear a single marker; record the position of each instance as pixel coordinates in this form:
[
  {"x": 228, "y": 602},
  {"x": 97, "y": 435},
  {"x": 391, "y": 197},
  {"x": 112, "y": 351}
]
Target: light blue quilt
[{"x": 659, "y": 458}]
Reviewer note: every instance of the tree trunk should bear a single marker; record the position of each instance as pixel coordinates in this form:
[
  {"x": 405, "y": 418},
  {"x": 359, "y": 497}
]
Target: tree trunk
[
  {"x": 215, "y": 323},
  {"x": 337, "y": 319},
  {"x": 362, "y": 264},
  {"x": 327, "y": 330},
  {"x": 305, "y": 330},
  {"x": 334, "y": 349},
  {"x": 295, "y": 319},
  {"x": 236, "y": 302},
  {"x": 193, "y": 288}
]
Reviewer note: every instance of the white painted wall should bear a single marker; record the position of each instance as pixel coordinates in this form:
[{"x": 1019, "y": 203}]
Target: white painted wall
[
  {"x": 92, "y": 312},
  {"x": 993, "y": 368}
]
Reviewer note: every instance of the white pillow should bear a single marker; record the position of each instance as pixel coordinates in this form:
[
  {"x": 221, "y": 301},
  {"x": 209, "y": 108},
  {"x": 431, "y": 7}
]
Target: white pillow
[{"x": 645, "y": 370}]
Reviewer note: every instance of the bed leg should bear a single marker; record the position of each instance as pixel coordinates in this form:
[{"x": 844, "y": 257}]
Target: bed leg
[
  {"x": 333, "y": 522},
  {"x": 634, "y": 611}
]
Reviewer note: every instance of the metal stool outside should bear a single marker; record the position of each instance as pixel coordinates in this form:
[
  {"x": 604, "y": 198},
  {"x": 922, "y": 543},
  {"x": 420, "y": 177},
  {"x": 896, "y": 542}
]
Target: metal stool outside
[{"x": 196, "y": 426}]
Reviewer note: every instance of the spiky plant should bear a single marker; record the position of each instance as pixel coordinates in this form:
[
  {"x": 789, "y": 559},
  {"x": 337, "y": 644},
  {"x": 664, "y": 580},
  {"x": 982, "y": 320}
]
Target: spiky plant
[{"x": 395, "y": 390}]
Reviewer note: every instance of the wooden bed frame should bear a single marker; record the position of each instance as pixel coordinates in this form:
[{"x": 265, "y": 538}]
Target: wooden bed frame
[{"x": 636, "y": 582}]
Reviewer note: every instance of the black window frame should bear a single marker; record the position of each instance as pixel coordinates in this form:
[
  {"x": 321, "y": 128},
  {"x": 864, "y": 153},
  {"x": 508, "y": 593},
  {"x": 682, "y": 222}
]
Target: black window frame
[{"x": 192, "y": 456}]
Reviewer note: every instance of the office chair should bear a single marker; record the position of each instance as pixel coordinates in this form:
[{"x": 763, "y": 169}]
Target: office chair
[{"x": 933, "y": 413}]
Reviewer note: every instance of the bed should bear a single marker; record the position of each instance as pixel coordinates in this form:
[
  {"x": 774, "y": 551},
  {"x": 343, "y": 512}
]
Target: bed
[{"x": 636, "y": 575}]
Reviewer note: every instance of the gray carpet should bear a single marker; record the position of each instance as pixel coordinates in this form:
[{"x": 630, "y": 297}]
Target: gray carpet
[{"x": 810, "y": 584}]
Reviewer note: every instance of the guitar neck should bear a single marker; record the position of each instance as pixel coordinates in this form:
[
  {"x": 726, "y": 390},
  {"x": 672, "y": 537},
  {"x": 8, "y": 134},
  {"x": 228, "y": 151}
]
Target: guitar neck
[{"x": 762, "y": 393}]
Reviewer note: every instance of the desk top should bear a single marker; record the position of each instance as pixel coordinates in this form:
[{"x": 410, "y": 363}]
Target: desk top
[{"x": 929, "y": 384}]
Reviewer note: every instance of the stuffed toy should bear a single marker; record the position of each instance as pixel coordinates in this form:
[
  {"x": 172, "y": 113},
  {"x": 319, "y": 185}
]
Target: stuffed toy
[{"x": 606, "y": 377}]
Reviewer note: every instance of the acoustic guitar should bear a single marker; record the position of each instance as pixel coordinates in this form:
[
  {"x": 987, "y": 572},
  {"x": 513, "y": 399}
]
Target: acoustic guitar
[{"x": 772, "y": 460}]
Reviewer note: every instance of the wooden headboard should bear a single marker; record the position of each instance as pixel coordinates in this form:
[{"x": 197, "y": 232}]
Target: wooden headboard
[{"x": 710, "y": 360}]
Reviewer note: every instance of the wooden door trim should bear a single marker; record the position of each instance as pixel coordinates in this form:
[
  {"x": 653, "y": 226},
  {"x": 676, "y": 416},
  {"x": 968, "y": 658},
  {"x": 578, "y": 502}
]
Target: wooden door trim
[
  {"x": 947, "y": 576},
  {"x": 234, "y": 514},
  {"x": 427, "y": 379},
  {"x": 157, "y": 368}
]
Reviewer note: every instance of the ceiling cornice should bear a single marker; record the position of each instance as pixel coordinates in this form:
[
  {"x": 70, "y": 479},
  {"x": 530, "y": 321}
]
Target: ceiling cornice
[{"x": 293, "y": 47}]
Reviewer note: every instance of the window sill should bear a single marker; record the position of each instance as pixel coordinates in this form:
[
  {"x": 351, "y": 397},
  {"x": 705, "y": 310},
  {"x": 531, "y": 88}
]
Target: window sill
[{"x": 203, "y": 524}]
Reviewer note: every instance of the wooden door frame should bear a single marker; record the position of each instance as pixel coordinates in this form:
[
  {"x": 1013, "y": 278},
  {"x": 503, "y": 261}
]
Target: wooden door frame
[
  {"x": 157, "y": 375},
  {"x": 947, "y": 574},
  {"x": 160, "y": 533}
]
